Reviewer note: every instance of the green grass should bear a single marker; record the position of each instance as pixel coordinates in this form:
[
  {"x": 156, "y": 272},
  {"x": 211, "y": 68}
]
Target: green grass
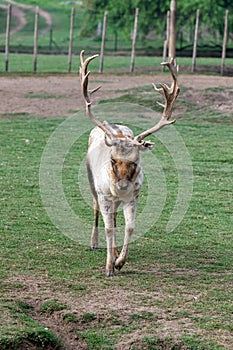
[
  {"x": 51, "y": 306},
  {"x": 45, "y": 96},
  {"x": 22, "y": 329},
  {"x": 179, "y": 281},
  {"x": 23, "y": 63}
]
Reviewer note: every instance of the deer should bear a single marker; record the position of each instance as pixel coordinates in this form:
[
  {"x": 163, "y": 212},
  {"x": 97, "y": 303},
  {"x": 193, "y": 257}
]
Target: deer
[{"x": 114, "y": 165}]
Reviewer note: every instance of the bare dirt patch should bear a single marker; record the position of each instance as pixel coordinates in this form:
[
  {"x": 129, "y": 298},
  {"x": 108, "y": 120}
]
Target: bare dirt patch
[
  {"x": 99, "y": 310},
  {"x": 133, "y": 314},
  {"x": 59, "y": 96},
  {"x": 20, "y": 15}
]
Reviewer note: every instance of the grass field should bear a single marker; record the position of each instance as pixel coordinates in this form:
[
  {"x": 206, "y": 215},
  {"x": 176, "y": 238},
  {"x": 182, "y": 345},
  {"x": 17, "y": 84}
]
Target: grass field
[
  {"x": 175, "y": 291},
  {"x": 23, "y": 63}
]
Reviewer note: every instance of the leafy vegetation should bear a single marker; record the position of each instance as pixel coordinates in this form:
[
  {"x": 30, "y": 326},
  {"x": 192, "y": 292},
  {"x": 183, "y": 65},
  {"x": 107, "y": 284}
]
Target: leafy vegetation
[
  {"x": 176, "y": 290},
  {"x": 152, "y": 17},
  {"x": 122, "y": 12}
]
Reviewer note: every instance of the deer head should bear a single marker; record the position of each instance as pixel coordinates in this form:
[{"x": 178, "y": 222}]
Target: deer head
[{"x": 170, "y": 94}]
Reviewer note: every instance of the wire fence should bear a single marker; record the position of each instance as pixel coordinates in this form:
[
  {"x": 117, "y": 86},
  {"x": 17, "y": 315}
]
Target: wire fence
[{"x": 27, "y": 29}]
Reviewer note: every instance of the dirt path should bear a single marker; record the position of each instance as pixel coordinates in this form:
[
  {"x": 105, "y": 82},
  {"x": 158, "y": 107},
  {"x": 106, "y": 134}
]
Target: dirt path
[
  {"x": 18, "y": 11},
  {"x": 65, "y": 98}
]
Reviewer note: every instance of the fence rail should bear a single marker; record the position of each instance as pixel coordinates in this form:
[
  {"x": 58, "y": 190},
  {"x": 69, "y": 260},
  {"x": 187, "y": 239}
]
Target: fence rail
[{"x": 40, "y": 34}]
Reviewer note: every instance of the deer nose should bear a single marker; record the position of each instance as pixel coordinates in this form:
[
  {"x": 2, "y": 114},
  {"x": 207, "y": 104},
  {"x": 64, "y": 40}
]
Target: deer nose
[{"x": 123, "y": 184}]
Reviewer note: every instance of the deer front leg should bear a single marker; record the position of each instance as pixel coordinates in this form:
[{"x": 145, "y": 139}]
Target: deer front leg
[
  {"x": 110, "y": 256},
  {"x": 114, "y": 243},
  {"x": 107, "y": 211},
  {"x": 129, "y": 214}
]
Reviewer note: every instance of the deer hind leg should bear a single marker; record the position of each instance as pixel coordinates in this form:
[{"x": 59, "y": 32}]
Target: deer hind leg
[
  {"x": 129, "y": 214},
  {"x": 95, "y": 233}
]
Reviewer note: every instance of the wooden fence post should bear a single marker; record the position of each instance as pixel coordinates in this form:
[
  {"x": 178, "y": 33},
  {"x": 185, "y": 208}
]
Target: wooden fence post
[
  {"x": 71, "y": 39},
  {"x": 225, "y": 37},
  {"x": 132, "y": 62},
  {"x": 195, "y": 41},
  {"x": 103, "y": 42},
  {"x": 172, "y": 35},
  {"x": 7, "y": 44},
  {"x": 166, "y": 41},
  {"x": 35, "y": 40}
]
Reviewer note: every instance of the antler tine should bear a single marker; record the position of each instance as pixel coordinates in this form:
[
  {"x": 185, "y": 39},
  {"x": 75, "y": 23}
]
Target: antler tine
[
  {"x": 170, "y": 94},
  {"x": 84, "y": 75},
  {"x": 172, "y": 66}
]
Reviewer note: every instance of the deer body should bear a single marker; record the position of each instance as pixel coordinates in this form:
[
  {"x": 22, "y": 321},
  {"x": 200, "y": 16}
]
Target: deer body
[
  {"x": 115, "y": 177},
  {"x": 114, "y": 166}
]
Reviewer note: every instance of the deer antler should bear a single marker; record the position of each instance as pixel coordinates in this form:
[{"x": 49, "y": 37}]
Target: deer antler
[
  {"x": 170, "y": 94},
  {"x": 84, "y": 75}
]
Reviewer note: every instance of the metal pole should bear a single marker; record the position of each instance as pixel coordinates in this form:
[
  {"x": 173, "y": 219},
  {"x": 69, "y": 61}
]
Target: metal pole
[{"x": 132, "y": 63}]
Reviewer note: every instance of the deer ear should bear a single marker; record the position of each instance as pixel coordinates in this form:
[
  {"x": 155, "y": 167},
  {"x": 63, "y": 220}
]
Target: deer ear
[
  {"x": 108, "y": 141},
  {"x": 146, "y": 146}
]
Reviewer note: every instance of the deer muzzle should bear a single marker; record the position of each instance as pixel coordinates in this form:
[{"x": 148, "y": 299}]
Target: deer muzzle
[{"x": 122, "y": 184}]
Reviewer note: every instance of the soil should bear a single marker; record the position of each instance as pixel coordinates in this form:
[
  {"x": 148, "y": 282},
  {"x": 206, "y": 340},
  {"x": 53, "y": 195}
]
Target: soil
[
  {"x": 28, "y": 95},
  {"x": 59, "y": 96}
]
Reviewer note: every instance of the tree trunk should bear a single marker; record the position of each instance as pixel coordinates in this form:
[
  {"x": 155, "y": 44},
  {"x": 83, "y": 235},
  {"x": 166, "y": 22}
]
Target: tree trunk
[{"x": 172, "y": 36}]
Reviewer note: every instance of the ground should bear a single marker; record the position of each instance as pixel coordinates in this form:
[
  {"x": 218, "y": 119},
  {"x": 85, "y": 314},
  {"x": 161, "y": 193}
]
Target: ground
[
  {"x": 59, "y": 96},
  {"x": 28, "y": 94}
]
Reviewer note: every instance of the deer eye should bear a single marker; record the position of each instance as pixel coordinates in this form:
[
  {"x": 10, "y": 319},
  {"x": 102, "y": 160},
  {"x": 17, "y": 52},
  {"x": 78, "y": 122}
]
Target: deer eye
[{"x": 113, "y": 161}]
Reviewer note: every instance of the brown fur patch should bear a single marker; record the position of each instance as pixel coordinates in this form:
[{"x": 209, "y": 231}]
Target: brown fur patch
[
  {"x": 121, "y": 133},
  {"x": 124, "y": 169}
]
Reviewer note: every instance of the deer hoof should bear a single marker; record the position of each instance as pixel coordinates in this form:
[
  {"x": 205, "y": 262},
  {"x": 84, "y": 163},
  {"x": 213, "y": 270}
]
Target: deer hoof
[
  {"x": 119, "y": 265},
  {"x": 110, "y": 273},
  {"x": 94, "y": 246}
]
